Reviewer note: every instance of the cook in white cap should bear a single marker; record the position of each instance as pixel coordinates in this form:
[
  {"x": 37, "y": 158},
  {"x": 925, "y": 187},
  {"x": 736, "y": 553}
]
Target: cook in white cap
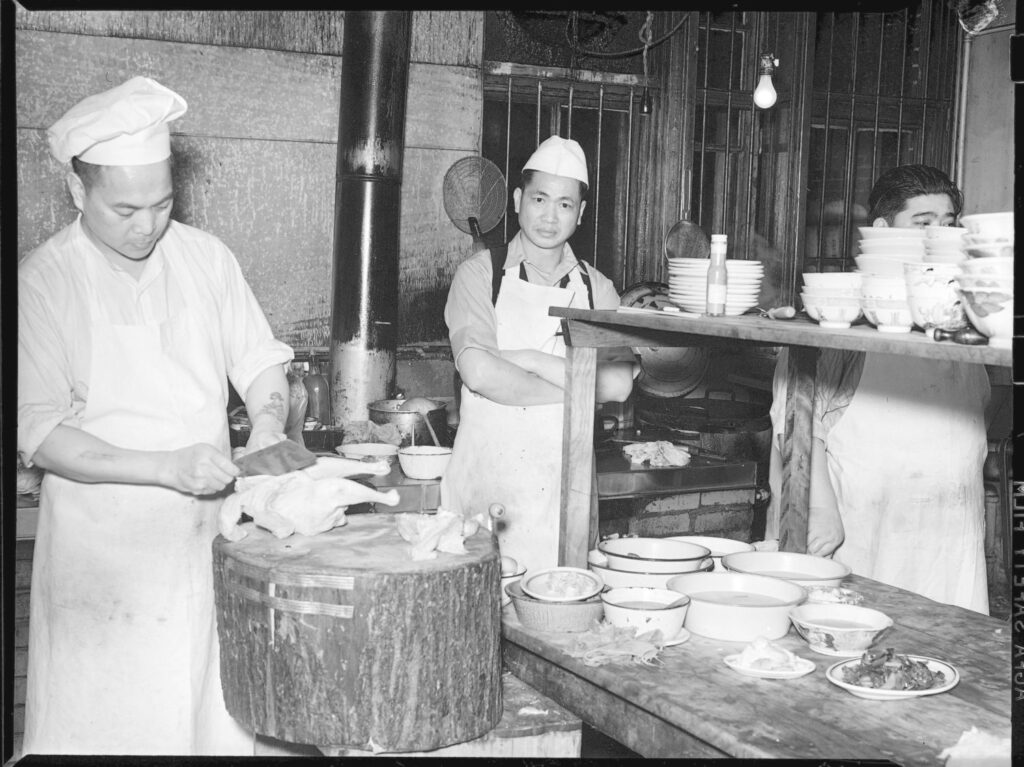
[
  {"x": 131, "y": 324},
  {"x": 508, "y": 446}
]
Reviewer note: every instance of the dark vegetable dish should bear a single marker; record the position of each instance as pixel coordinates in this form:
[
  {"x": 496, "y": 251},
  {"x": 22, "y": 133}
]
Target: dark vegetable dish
[{"x": 888, "y": 671}]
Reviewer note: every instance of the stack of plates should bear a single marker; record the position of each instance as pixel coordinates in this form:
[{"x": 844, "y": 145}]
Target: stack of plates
[{"x": 688, "y": 281}]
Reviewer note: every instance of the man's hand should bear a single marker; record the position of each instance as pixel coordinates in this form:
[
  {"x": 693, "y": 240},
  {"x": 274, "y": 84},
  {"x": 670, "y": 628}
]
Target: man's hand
[
  {"x": 824, "y": 531},
  {"x": 198, "y": 469}
]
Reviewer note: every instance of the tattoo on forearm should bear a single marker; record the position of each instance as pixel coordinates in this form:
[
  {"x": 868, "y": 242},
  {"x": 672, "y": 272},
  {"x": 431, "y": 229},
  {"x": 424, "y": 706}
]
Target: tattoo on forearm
[{"x": 275, "y": 407}]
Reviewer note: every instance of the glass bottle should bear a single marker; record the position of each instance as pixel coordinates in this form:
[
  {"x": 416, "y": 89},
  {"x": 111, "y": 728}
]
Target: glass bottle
[
  {"x": 717, "y": 278},
  {"x": 319, "y": 396}
]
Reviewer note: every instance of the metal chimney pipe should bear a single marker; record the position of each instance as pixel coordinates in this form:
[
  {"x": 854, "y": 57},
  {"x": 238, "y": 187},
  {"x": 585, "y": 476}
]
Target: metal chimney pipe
[{"x": 371, "y": 140}]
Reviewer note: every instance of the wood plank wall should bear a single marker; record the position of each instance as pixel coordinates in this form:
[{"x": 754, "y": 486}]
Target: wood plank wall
[{"x": 256, "y": 151}]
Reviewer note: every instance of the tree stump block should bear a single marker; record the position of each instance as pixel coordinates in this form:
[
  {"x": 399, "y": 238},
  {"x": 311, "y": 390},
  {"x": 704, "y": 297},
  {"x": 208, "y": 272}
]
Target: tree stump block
[{"x": 341, "y": 639}]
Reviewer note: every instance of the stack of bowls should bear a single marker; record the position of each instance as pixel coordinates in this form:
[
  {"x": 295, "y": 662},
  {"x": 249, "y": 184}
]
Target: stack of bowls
[
  {"x": 832, "y": 299},
  {"x": 688, "y": 284},
  {"x": 944, "y": 244},
  {"x": 985, "y": 280},
  {"x": 647, "y": 562},
  {"x": 884, "y": 252},
  {"x": 933, "y": 297},
  {"x": 884, "y": 249},
  {"x": 557, "y": 599},
  {"x": 719, "y": 546}
]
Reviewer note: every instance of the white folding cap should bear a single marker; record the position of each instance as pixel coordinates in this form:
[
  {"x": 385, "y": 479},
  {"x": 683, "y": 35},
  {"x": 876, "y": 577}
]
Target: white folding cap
[
  {"x": 560, "y": 157},
  {"x": 126, "y": 125}
]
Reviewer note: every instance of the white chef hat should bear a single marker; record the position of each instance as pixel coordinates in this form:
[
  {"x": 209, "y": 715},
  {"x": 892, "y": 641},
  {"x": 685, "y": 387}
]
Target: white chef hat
[
  {"x": 126, "y": 125},
  {"x": 560, "y": 157}
]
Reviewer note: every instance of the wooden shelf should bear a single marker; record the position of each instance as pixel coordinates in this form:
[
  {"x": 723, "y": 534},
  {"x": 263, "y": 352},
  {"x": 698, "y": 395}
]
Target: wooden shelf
[{"x": 652, "y": 327}]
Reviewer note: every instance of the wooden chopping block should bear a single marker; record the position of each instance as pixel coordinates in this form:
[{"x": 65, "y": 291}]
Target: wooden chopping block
[{"x": 341, "y": 640}]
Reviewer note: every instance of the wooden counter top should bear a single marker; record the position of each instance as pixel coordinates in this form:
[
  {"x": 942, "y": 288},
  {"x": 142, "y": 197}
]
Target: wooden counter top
[
  {"x": 692, "y": 704},
  {"x": 651, "y": 327}
]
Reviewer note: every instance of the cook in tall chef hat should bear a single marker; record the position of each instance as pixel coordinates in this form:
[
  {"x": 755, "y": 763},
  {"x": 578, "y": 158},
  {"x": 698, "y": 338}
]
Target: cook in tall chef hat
[
  {"x": 560, "y": 157},
  {"x": 126, "y": 125}
]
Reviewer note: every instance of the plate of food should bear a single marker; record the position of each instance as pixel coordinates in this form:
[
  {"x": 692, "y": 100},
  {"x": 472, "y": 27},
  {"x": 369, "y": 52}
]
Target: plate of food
[
  {"x": 766, "y": 660},
  {"x": 888, "y": 675}
]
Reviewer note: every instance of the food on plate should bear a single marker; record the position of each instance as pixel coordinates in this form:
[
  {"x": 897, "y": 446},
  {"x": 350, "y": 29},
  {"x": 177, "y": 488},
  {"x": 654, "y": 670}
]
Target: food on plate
[
  {"x": 656, "y": 454},
  {"x": 767, "y": 656},
  {"x": 888, "y": 670}
]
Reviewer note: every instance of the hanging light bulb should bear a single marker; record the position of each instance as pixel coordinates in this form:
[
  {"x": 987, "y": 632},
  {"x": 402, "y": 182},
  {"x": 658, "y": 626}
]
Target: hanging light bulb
[
  {"x": 645, "y": 102},
  {"x": 764, "y": 93},
  {"x": 645, "y": 37}
]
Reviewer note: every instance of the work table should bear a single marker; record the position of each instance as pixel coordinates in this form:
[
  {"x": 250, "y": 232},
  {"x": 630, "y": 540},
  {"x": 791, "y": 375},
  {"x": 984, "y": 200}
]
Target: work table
[
  {"x": 690, "y": 704},
  {"x": 586, "y": 330}
]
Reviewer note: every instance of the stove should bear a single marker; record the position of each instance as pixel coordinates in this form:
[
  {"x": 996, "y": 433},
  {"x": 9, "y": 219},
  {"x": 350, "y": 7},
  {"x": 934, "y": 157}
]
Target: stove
[{"x": 618, "y": 478}]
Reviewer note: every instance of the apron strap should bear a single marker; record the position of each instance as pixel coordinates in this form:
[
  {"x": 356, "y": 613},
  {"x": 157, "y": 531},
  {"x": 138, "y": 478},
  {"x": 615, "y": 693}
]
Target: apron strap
[{"x": 498, "y": 255}]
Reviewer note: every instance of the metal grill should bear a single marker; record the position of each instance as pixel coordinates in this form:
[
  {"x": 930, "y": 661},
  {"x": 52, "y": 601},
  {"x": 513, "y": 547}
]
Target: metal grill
[
  {"x": 884, "y": 88},
  {"x": 523, "y": 105},
  {"x": 882, "y": 94}
]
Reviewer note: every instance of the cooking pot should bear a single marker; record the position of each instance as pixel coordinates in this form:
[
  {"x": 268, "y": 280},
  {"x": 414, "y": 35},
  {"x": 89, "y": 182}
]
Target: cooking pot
[{"x": 411, "y": 424}]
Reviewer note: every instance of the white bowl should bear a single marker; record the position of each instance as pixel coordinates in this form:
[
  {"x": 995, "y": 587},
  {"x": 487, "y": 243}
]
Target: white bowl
[
  {"x": 831, "y": 279},
  {"x": 514, "y": 575},
  {"x": 653, "y": 555},
  {"x": 737, "y": 607},
  {"x": 838, "y": 629},
  {"x": 561, "y": 584},
  {"x": 834, "y": 313},
  {"x": 973, "y": 281},
  {"x": 368, "y": 451},
  {"x": 991, "y": 312},
  {"x": 424, "y": 461},
  {"x": 884, "y": 286},
  {"x": 952, "y": 257},
  {"x": 989, "y": 224},
  {"x": 909, "y": 245},
  {"x": 804, "y": 569},
  {"x": 936, "y": 233},
  {"x": 888, "y": 315},
  {"x": 846, "y": 292},
  {"x": 538, "y": 615},
  {"x": 624, "y": 578},
  {"x": 645, "y": 609},
  {"x": 982, "y": 240},
  {"x": 719, "y": 546},
  {"x": 889, "y": 232},
  {"x": 937, "y": 307},
  {"x": 993, "y": 267},
  {"x": 892, "y": 267},
  {"x": 990, "y": 251}
]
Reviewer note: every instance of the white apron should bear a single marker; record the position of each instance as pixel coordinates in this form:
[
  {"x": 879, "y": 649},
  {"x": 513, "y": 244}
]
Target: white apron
[
  {"x": 123, "y": 651},
  {"x": 906, "y": 462},
  {"x": 513, "y": 455}
]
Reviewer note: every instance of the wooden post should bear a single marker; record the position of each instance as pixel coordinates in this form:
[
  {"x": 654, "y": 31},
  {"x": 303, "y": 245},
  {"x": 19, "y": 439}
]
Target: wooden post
[
  {"x": 796, "y": 450},
  {"x": 578, "y": 525}
]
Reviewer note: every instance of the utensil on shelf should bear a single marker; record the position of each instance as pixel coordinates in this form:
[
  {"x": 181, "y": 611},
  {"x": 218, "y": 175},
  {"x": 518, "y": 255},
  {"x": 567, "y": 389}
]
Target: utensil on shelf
[{"x": 433, "y": 434}]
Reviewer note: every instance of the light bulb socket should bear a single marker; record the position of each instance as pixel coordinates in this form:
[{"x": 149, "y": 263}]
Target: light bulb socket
[{"x": 768, "y": 64}]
